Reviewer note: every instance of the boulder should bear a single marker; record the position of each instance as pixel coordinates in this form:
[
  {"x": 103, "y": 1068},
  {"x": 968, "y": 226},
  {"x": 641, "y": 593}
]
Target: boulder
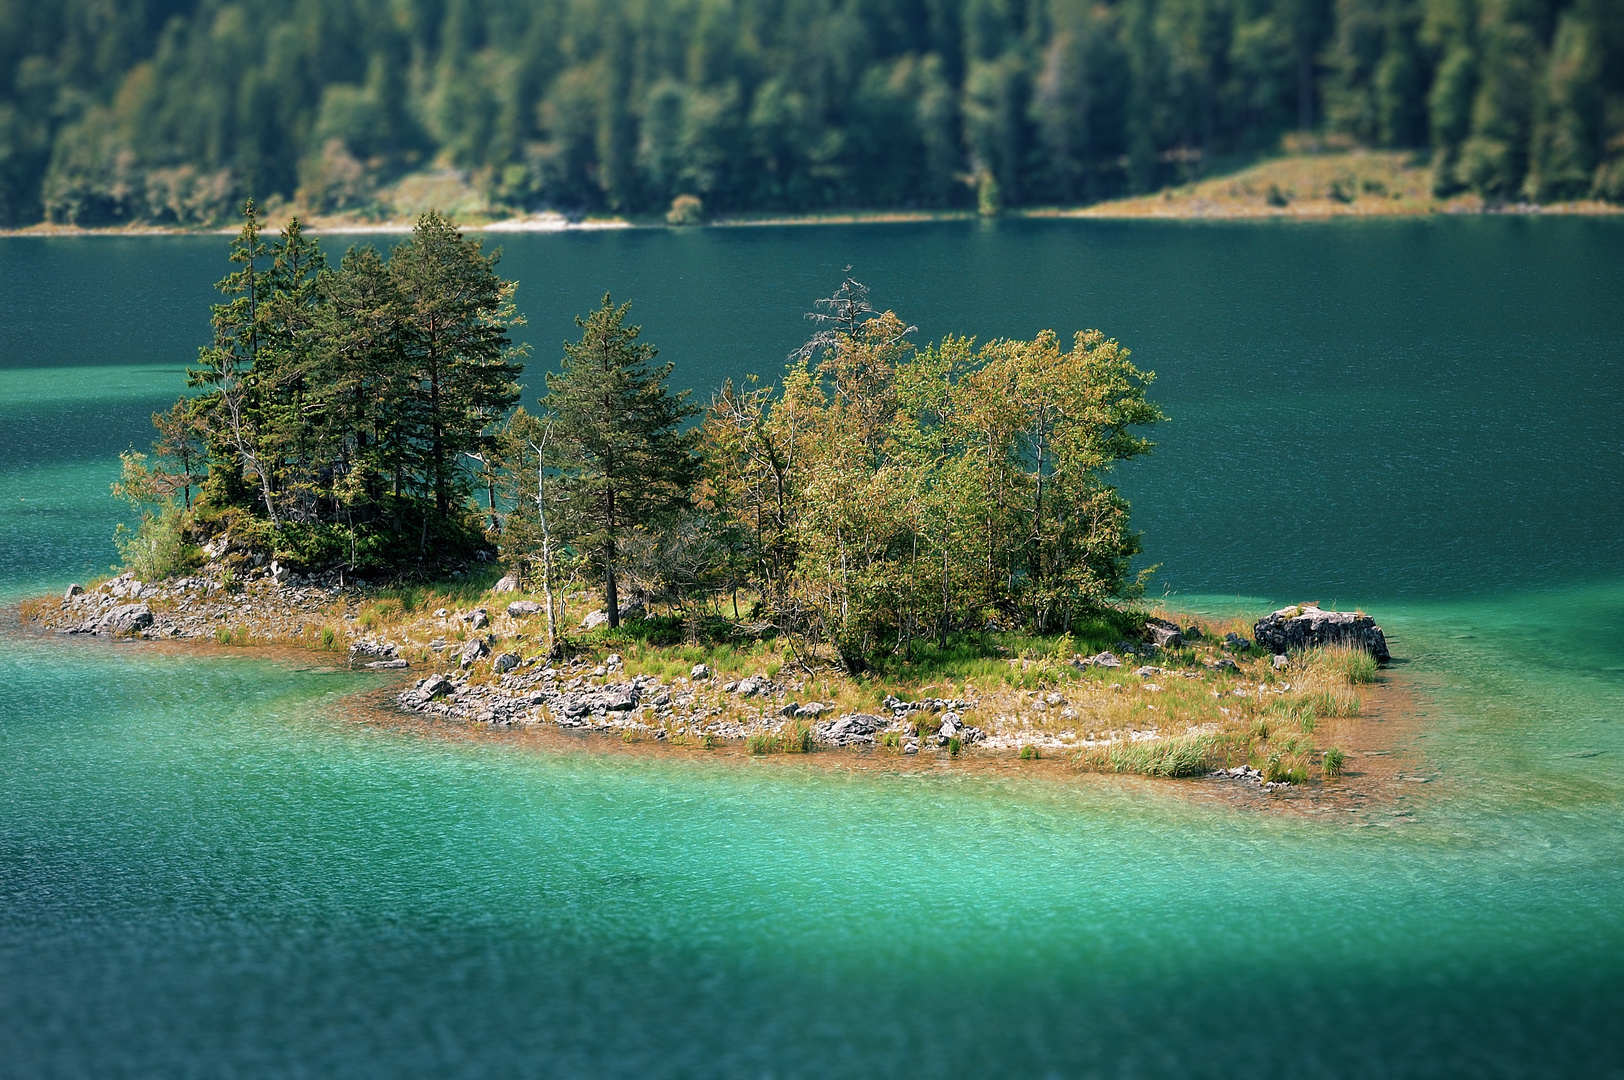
[
  {"x": 373, "y": 650},
  {"x": 478, "y": 618},
  {"x": 1163, "y": 634},
  {"x": 1104, "y": 659},
  {"x": 1193, "y": 633},
  {"x": 700, "y": 671},
  {"x": 507, "y": 583},
  {"x": 620, "y": 702},
  {"x": 506, "y": 663},
  {"x": 852, "y": 730},
  {"x": 73, "y": 590},
  {"x": 279, "y": 573},
  {"x": 595, "y": 619},
  {"x": 389, "y": 665},
  {"x": 125, "y": 619},
  {"x": 1235, "y": 643},
  {"x": 1306, "y": 626},
  {"x": 523, "y": 609},
  {"x": 476, "y": 649}
]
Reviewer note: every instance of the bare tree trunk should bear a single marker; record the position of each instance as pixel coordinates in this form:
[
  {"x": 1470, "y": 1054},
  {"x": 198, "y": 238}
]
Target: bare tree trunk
[{"x": 546, "y": 539}]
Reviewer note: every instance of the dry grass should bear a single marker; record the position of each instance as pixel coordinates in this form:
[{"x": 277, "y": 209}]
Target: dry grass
[{"x": 1350, "y": 183}]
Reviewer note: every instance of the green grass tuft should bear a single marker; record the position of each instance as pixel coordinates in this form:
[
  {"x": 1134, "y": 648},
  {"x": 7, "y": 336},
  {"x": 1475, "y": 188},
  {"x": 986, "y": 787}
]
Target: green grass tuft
[{"x": 1187, "y": 755}]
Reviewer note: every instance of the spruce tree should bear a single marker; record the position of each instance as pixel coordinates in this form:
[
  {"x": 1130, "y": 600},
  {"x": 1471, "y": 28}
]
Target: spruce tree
[
  {"x": 457, "y": 315},
  {"x": 626, "y": 460}
]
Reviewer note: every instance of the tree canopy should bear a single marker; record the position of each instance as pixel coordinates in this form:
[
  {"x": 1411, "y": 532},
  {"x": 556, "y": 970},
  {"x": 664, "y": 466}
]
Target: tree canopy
[{"x": 174, "y": 110}]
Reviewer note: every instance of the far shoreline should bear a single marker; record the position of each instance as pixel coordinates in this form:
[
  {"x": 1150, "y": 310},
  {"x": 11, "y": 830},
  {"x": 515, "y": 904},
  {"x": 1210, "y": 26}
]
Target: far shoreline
[
  {"x": 1355, "y": 184},
  {"x": 1115, "y": 211}
]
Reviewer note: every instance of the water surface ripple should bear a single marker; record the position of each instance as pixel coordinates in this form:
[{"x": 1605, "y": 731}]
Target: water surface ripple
[{"x": 208, "y": 867}]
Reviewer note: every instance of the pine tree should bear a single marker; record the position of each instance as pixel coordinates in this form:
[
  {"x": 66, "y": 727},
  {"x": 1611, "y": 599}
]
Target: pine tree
[{"x": 626, "y": 460}]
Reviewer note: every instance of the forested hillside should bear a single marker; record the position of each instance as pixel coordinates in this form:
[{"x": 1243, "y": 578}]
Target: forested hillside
[{"x": 173, "y": 110}]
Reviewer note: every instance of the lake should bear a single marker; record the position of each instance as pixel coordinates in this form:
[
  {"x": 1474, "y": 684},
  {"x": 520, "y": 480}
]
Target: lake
[{"x": 219, "y": 867}]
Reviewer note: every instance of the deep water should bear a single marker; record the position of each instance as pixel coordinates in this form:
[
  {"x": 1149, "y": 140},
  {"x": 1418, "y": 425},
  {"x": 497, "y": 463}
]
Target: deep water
[{"x": 210, "y": 867}]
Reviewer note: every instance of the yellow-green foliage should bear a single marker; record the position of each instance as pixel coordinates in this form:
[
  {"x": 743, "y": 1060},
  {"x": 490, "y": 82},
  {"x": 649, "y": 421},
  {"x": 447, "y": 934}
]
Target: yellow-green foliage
[{"x": 1188, "y": 755}]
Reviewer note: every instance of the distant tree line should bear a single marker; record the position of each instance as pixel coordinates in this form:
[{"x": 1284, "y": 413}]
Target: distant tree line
[
  {"x": 879, "y": 494},
  {"x": 174, "y": 110}
]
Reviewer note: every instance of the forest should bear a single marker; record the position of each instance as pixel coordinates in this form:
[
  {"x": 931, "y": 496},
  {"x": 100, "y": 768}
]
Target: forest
[
  {"x": 174, "y": 111},
  {"x": 360, "y": 418}
]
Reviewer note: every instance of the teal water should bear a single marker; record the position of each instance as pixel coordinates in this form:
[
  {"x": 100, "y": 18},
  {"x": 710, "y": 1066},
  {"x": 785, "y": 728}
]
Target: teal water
[{"x": 211, "y": 867}]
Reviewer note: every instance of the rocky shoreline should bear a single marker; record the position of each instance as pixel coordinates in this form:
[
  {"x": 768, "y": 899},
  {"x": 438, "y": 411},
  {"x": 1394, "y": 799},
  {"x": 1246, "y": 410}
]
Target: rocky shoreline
[{"x": 485, "y": 665}]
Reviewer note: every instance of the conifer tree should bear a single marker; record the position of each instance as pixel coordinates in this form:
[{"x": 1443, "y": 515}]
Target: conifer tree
[
  {"x": 457, "y": 314},
  {"x": 625, "y": 459}
]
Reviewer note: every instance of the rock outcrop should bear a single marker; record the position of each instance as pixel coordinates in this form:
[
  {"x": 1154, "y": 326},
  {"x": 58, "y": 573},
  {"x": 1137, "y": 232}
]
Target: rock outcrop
[
  {"x": 1303, "y": 627},
  {"x": 1163, "y": 634},
  {"x": 125, "y": 619}
]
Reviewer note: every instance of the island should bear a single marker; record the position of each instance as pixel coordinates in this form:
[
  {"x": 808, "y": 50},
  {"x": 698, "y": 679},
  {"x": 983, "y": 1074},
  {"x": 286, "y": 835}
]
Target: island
[{"x": 905, "y": 548}]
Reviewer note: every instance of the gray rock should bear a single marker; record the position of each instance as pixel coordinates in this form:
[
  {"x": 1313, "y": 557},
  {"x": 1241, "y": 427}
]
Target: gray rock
[
  {"x": 478, "y": 618},
  {"x": 506, "y": 662},
  {"x": 507, "y": 583},
  {"x": 1224, "y": 664},
  {"x": 476, "y": 649},
  {"x": 789, "y": 709},
  {"x": 600, "y": 617},
  {"x": 1193, "y": 633},
  {"x": 1147, "y": 671},
  {"x": 1104, "y": 659},
  {"x": 125, "y": 619},
  {"x": 850, "y": 730},
  {"x": 373, "y": 650},
  {"x": 911, "y": 746},
  {"x": 523, "y": 609},
  {"x": 751, "y": 686},
  {"x": 279, "y": 573},
  {"x": 1280, "y": 660},
  {"x": 73, "y": 590},
  {"x": 1163, "y": 634},
  {"x": 624, "y": 702},
  {"x": 811, "y": 710},
  {"x": 700, "y": 671},
  {"x": 1307, "y": 626},
  {"x": 394, "y": 665},
  {"x": 1236, "y": 643}
]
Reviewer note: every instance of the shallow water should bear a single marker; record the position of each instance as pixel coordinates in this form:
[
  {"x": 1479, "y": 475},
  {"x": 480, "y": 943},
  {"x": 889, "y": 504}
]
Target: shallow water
[{"x": 212, "y": 868}]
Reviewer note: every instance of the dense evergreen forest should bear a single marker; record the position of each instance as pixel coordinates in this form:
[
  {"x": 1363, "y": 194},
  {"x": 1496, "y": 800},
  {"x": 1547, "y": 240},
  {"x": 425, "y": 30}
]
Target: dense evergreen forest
[{"x": 175, "y": 110}]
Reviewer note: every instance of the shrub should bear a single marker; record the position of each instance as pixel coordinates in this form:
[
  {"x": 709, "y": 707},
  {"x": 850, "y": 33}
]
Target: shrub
[
  {"x": 954, "y": 745},
  {"x": 686, "y": 210},
  {"x": 1334, "y": 761},
  {"x": 159, "y": 547},
  {"x": 329, "y": 638}
]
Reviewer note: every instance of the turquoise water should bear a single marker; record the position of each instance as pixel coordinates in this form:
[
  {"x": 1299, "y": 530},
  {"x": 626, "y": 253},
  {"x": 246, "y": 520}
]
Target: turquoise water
[{"x": 213, "y": 867}]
